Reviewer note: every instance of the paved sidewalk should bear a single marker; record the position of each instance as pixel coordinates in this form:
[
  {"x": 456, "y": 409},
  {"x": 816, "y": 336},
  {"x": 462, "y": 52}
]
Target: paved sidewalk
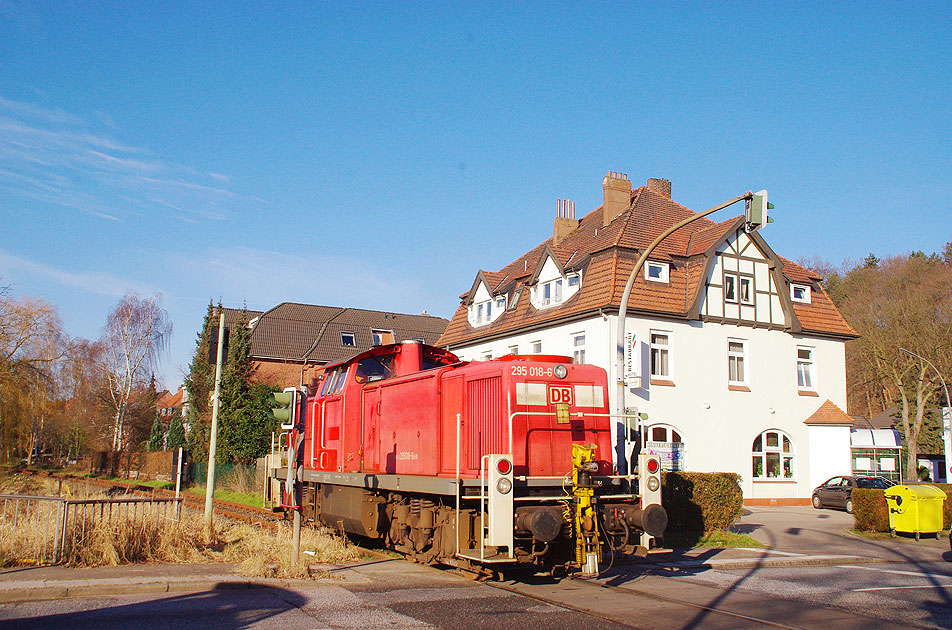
[{"x": 38, "y": 583}]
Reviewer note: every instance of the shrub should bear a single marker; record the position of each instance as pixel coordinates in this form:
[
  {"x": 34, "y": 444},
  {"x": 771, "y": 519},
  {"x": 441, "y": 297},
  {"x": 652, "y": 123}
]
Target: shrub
[
  {"x": 701, "y": 502},
  {"x": 871, "y": 512}
]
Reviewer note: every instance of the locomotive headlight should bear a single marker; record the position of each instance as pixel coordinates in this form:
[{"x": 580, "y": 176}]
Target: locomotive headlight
[
  {"x": 560, "y": 371},
  {"x": 504, "y": 485},
  {"x": 653, "y": 483}
]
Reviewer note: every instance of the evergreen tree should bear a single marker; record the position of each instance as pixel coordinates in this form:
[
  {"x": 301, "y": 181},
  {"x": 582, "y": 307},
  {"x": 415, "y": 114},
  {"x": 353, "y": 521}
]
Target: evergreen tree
[
  {"x": 199, "y": 383},
  {"x": 157, "y": 435},
  {"x": 176, "y": 437},
  {"x": 240, "y": 416}
]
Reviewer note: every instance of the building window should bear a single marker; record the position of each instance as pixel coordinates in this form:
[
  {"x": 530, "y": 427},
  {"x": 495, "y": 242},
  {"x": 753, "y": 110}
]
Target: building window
[
  {"x": 381, "y": 337},
  {"x": 800, "y": 293},
  {"x": 573, "y": 280},
  {"x": 500, "y": 304},
  {"x": 730, "y": 287},
  {"x": 737, "y": 362},
  {"x": 513, "y": 349},
  {"x": 348, "y": 340},
  {"x": 772, "y": 456},
  {"x": 660, "y": 355},
  {"x": 515, "y": 299},
  {"x": 806, "y": 375},
  {"x": 746, "y": 290},
  {"x": 536, "y": 347},
  {"x": 656, "y": 272},
  {"x": 487, "y": 355},
  {"x": 552, "y": 292},
  {"x": 578, "y": 348}
]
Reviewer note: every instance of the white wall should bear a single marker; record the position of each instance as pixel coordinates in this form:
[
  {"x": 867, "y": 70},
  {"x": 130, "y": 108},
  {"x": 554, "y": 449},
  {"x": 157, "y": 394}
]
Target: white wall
[{"x": 830, "y": 453}]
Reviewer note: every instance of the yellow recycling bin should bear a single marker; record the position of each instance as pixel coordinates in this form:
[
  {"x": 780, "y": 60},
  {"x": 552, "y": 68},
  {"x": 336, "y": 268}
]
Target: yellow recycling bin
[{"x": 915, "y": 509}]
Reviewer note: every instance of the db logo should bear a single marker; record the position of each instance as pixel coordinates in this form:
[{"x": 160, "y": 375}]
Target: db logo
[{"x": 560, "y": 394}]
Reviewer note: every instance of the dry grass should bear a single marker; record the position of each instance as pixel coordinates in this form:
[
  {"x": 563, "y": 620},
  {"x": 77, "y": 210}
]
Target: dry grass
[
  {"x": 241, "y": 480},
  {"x": 262, "y": 554},
  {"x": 147, "y": 537}
]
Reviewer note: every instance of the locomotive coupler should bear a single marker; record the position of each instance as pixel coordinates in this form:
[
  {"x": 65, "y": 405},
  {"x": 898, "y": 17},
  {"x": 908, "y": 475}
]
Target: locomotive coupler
[{"x": 588, "y": 551}]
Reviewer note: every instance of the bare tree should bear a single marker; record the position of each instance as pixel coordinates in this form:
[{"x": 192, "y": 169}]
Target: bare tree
[
  {"x": 136, "y": 334},
  {"x": 31, "y": 343},
  {"x": 901, "y": 302}
]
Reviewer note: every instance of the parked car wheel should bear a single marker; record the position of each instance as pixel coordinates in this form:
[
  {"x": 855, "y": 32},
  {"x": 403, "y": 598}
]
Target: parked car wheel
[
  {"x": 849, "y": 506},
  {"x": 816, "y": 502}
]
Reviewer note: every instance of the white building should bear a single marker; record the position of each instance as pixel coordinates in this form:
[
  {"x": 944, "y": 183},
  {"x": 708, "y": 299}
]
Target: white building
[{"x": 735, "y": 354}]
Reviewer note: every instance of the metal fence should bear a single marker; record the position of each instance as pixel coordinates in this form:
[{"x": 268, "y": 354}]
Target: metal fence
[{"x": 42, "y": 529}]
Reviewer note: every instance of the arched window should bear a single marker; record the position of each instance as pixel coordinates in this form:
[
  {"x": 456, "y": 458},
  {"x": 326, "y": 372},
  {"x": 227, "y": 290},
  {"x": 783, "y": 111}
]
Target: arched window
[
  {"x": 666, "y": 442},
  {"x": 772, "y": 455}
]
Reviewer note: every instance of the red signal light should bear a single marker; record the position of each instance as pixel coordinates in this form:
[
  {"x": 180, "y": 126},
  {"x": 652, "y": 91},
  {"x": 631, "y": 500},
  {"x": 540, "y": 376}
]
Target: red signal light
[
  {"x": 652, "y": 465},
  {"x": 504, "y": 466}
]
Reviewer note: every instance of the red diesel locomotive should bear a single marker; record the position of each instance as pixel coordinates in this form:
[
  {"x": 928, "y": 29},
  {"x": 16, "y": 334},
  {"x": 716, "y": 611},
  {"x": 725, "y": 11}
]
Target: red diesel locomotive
[{"x": 471, "y": 464}]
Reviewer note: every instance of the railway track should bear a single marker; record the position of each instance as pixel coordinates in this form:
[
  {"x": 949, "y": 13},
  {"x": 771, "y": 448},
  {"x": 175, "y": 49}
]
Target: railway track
[{"x": 236, "y": 511}]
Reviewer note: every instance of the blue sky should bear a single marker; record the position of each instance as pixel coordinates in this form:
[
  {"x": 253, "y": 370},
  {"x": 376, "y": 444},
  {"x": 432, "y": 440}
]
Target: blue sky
[{"x": 377, "y": 155}]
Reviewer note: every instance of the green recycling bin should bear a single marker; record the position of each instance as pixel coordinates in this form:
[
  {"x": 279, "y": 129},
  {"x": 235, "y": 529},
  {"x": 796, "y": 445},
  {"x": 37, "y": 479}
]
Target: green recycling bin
[{"x": 915, "y": 509}]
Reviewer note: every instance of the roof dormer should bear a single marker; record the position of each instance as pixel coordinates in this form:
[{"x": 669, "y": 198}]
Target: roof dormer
[
  {"x": 552, "y": 285},
  {"x": 483, "y": 306}
]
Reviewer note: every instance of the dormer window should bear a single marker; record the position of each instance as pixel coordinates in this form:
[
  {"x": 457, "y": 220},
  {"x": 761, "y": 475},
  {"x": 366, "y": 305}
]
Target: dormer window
[
  {"x": 500, "y": 304},
  {"x": 800, "y": 293},
  {"x": 515, "y": 299},
  {"x": 573, "y": 280},
  {"x": 484, "y": 313},
  {"x": 552, "y": 292},
  {"x": 348, "y": 340},
  {"x": 656, "y": 271}
]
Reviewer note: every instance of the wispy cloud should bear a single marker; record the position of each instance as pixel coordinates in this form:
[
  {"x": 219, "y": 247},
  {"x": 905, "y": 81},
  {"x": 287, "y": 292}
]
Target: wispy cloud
[
  {"x": 67, "y": 160},
  {"x": 12, "y": 267},
  {"x": 265, "y": 278}
]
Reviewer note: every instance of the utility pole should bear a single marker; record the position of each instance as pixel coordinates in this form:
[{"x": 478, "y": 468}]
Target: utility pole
[
  {"x": 620, "y": 409},
  {"x": 210, "y": 482}
]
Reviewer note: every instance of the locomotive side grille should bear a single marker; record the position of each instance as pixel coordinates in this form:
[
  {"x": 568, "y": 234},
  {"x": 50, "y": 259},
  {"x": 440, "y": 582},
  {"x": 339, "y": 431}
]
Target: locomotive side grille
[{"x": 487, "y": 431}]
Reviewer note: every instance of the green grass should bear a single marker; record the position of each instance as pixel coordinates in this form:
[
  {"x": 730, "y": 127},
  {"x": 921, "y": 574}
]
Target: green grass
[
  {"x": 719, "y": 539},
  {"x": 245, "y": 498}
]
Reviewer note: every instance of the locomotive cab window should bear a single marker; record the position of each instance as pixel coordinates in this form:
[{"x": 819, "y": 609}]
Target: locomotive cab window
[
  {"x": 328, "y": 385},
  {"x": 371, "y": 369}
]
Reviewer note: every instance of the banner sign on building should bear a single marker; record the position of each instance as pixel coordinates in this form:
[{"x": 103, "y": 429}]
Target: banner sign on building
[
  {"x": 632, "y": 360},
  {"x": 671, "y": 454}
]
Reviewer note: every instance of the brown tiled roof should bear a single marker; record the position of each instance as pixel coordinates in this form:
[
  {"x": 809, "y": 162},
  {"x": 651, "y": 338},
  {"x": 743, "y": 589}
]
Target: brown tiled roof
[
  {"x": 820, "y": 315},
  {"x": 607, "y": 253},
  {"x": 232, "y": 315},
  {"x": 299, "y": 332},
  {"x": 829, "y": 414}
]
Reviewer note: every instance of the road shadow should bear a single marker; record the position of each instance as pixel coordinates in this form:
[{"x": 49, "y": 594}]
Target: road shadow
[{"x": 230, "y": 606}]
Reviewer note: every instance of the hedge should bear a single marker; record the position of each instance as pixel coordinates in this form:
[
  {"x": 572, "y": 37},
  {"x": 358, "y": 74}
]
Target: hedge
[
  {"x": 871, "y": 514},
  {"x": 701, "y": 502}
]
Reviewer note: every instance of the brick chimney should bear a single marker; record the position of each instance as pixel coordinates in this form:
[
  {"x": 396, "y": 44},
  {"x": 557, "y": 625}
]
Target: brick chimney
[
  {"x": 565, "y": 222},
  {"x": 617, "y": 189},
  {"x": 660, "y": 186}
]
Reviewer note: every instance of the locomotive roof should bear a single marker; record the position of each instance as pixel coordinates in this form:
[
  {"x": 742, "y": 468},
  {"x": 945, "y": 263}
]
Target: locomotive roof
[{"x": 392, "y": 348}]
